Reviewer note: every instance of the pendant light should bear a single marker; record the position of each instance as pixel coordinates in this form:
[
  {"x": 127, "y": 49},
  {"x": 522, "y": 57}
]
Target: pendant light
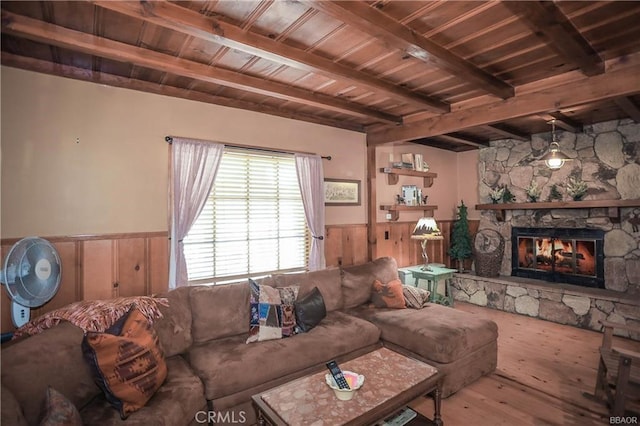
[{"x": 554, "y": 159}]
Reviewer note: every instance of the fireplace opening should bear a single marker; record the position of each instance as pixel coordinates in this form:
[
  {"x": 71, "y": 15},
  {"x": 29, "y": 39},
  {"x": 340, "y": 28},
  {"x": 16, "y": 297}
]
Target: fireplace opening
[{"x": 573, "y": 256}]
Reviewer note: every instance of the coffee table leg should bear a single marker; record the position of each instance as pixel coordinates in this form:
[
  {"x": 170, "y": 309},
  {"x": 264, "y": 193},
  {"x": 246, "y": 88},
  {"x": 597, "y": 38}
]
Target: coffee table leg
[
  {"x": 261, "y": 421},
  {"x": 437, "y": 399}
]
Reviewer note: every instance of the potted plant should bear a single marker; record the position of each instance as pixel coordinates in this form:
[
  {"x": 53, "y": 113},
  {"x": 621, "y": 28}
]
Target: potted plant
[
  {"x": 533, "y": 191},
  {"x": 460, "y": 248},
  {"x": 576, "y": 188}
]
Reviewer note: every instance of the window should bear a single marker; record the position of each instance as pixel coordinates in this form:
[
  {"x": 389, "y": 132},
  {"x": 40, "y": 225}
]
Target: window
[{"x": 253, "y": 222}]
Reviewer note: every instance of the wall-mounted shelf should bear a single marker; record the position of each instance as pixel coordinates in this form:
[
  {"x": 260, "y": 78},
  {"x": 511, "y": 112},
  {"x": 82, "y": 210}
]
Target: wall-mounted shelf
[
  {"x": 612, "y": 206},
  {"x": 395, "y": 209},
  {"x": 393, "y": 173}
]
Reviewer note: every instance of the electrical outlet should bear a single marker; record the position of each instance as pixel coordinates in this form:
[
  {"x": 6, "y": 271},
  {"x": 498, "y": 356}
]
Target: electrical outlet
[{"x": 388, "y": 216}]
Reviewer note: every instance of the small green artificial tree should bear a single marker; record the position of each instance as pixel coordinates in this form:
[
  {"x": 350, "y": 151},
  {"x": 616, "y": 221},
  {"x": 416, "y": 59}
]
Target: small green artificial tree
[
  {"x": 555, "y": 194},
  {"x": 460, "y": 238}
]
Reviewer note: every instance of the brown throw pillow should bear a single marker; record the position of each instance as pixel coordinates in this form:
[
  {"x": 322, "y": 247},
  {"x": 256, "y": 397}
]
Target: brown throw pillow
[
  {"x": 388, "y": 295},
  {"x": 127, "y": 362},
  {"x": 59, "y": 411}
]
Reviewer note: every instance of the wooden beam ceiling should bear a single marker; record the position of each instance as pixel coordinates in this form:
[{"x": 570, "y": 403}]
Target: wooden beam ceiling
[
  {"x": 508, "y": 131},
  {"x": 185, "y": 21},
  {"x": 622, "y": 80},
  {"x": 564, "y": 122},
  {"x": 629, "y": 107},
  {"x": 372, "y": 21},
  {"x": 62, "y": 37},
  {"x": 548, "y": 22}
]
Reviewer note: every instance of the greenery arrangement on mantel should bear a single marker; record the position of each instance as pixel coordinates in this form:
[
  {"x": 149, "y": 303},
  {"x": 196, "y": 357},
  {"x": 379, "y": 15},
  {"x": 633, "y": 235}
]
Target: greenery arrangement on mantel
[{"x": 613, "y": 206}]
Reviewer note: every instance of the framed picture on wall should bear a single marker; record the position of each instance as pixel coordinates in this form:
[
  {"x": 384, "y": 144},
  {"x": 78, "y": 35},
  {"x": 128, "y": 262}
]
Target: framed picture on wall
[{"x": 341, "y": 192}]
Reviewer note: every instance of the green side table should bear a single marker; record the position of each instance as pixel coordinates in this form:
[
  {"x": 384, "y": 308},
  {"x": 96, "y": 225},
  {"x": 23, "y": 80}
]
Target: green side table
[{"x": 411, "y": 275}]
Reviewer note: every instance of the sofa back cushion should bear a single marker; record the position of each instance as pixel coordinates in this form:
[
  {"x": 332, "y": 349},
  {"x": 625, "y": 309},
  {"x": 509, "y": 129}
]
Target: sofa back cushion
[
  {"x": 327, "y": 280},
  {"x": 51, "y": 358},
  {"x": 357, "y": 281},
  {"x": 174, "y": 328},
  {"x": 219, "y": 311}
]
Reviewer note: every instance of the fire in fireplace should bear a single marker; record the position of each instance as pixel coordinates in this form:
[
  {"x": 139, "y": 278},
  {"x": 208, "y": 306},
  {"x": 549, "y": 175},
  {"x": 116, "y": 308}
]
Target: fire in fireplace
[{"x": 573, "y": 256}]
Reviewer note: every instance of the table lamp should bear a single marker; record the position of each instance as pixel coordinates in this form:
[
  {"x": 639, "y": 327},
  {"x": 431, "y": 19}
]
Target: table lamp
[{"x": 426, "y": 229}]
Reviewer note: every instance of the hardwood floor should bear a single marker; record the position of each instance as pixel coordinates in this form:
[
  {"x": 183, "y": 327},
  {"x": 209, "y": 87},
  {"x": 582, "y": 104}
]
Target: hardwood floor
[{"x": 543, "y": 370}]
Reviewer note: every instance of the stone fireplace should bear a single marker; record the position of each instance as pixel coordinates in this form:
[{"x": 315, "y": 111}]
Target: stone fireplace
[{"x": 552, "y": 275}]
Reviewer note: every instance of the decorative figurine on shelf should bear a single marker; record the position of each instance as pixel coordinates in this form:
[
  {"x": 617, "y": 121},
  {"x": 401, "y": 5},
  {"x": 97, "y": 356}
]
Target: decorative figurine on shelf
[
  {"x": 533, "y": 191},
  {"x": 399, "y": 200},
  {"x": 460, "y": 248},
  {"x": 576, "y": 188},
  {"x": 424, "y": 199}
]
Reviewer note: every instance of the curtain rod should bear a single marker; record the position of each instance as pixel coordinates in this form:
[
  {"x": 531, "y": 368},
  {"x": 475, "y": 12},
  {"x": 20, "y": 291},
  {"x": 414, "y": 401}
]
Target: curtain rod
[{"x": 169, "y": 139}]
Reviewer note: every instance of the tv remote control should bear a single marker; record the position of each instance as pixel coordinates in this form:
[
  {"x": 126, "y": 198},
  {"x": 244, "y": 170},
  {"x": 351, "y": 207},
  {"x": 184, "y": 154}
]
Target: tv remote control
[{"x": 337, "y": 375}]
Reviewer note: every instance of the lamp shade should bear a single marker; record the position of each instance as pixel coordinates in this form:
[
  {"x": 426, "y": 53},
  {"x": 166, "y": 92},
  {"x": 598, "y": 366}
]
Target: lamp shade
[
  {"x": 426, "y": 229},
  {"x": 554, "y": 159}
]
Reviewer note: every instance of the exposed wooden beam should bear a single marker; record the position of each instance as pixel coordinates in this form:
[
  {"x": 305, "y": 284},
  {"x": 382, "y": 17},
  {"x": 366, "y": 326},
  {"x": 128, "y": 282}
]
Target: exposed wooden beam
[
  {"x": 508, "y": 131},
  {"x": 455, "y": 138},
  {"x": 629, "y": 107},
  {"x": 548, "y": 22},
  {"x": 564, "y": 122},
  {"x": 33, "y": 29},
  {"x": 185, "y": 21},
  {"x": 620, "y": 81},
  {"x": 47, "y": 67},
  {"x": 391, "y": 32}
]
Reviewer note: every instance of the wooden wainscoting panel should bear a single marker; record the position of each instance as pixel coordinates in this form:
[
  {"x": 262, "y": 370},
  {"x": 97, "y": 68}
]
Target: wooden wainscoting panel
[
  {"x": 131, "y": 274},
  {"x": 345, "y": 244},
  {"x": 158, "y": 264},
  {"x": 98, "y": 269},
  {"x": 92, "y": 264}
]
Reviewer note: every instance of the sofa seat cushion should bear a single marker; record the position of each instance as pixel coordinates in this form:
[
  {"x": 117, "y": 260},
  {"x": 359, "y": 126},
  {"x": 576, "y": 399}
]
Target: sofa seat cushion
[
  {"x": 229, "y": 365},
  {"x": 435, "y": 332},
  {"x": 175, "y": 403}
]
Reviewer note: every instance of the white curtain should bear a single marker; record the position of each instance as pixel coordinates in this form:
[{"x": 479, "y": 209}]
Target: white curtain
[
  {"x": 311, "y": 182},
  {"x": 194, "y": 165}
]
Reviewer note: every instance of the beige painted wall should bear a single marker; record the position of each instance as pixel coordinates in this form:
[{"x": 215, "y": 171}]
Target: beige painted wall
[{"x": 82, "y": 158}]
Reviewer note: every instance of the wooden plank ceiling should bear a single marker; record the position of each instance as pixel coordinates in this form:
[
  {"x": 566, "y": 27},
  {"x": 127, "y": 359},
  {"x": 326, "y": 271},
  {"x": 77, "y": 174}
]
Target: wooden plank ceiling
[{"x": 450, "y": 74}]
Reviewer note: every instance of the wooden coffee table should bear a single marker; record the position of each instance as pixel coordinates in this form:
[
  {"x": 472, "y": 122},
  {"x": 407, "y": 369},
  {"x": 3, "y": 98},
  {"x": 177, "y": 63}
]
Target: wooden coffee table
[{"x": 391, "y": 381}]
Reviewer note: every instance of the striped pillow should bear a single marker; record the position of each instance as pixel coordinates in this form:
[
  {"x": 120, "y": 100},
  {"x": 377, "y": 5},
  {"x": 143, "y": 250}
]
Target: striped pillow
[{"x": 415, "y": 297}]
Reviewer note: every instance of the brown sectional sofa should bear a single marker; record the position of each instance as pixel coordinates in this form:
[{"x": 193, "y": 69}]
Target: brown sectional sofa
[{"x": 203, "y": 334}]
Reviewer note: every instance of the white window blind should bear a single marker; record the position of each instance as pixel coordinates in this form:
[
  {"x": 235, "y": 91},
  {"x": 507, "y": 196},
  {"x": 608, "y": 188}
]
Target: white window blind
[{"x": 253, "y": 222}]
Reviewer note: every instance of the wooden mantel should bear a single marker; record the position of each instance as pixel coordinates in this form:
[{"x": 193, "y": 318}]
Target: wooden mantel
[{"x": 612, "y": 206}]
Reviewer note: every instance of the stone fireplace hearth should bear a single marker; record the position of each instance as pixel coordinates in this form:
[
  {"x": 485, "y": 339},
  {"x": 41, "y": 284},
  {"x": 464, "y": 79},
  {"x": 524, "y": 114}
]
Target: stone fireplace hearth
[{"x": 606, "y": 156}]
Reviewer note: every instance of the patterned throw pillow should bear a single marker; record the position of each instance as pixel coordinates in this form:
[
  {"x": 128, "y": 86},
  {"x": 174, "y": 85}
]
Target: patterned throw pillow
[
  {"x": 60, "y": 411},
  {"x": 415, "y": 297},
  {"x": 271, "y": 318},
  {"x": 388, "y": 295},
  {"x": 288, "y": 296},
  {"x": 127, "y": 362}
]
